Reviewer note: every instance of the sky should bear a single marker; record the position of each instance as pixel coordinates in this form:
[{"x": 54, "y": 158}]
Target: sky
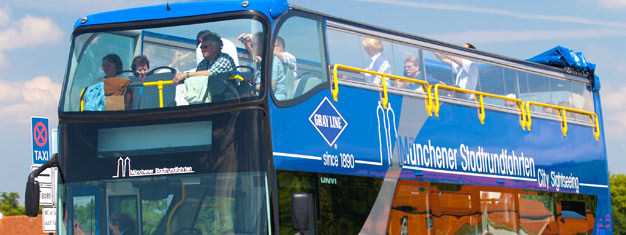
[{"x": 35, "y": 35}]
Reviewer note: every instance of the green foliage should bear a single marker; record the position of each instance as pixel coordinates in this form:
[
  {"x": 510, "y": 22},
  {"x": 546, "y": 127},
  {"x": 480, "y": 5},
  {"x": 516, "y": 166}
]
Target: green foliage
[
  {"x": 9, "y": 204},
  {"x": 618, "y": 201},
  {"x": 619, "y": 222}
]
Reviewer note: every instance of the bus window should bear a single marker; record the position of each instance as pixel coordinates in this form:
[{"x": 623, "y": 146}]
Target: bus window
[
  {"x": 511, "y": 85},
  {"x": 87, "y": 56},
  {"x": 409, "y": 62},
  {"x": 498, "y": 212},
  {"x": 152, "y": 212},
  {"x": 84, "y": 214},
  {"x": 174, "y": 55},
  {"x": 290, "y": 182},
  {"x": 124, "y": 209},
  {"x": 437, "y": 69},
  {"x": 539, "y": 91},
  {"x": 410, "y": 209},
  {"x": 455, "y": 209},
  {"x": 361, "y": 51},
  {"x": 299, "y": 48},
  {"x": 581, "y": 99},
  {"x": 560, "y": 92},
  {"x": 536, "y": 214},
  {"x": 345, "y": 48},
  {"x": 180, "y": 56},
  {"x": 491, "y": 80}
]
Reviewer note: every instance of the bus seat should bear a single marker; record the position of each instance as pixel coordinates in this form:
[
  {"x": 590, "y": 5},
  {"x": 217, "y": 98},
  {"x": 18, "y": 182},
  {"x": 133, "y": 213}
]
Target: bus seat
[
  {"x": 149, "y": 97},
  {"x": 290, "y": 82},
  {"x": 230, "y": 49},
  {"x": 306, "y": 84}
]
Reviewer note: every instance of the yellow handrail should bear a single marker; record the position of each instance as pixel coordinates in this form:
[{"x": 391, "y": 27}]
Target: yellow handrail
[
  {"x": 478, "y": 97},
  {"x": 82, "y": 101},
  {"x": 593, "y": 117},
  {"x": 384, "y": 99},
  {"x": 159, "y": 85}
]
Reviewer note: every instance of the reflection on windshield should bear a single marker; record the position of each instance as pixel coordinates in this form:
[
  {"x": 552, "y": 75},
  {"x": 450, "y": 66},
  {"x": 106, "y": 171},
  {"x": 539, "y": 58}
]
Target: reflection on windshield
[
  {"x": 163, "y": 67},
  {"x": 222, "y": 203}
]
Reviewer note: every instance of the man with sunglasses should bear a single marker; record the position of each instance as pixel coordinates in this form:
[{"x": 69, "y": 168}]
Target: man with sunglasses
[{"x": 216, "y": 65}]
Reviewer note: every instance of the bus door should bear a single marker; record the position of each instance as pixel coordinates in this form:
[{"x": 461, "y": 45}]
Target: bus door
[
  {"x": 455, "y": 209},
  {"x": 123, "y": 207},
  {"x": 410, "y": 209},
  {"x": 85, "y": 210}
]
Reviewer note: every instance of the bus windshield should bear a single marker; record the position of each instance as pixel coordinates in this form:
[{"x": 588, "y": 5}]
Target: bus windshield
[{"x": 164, "y": 67}]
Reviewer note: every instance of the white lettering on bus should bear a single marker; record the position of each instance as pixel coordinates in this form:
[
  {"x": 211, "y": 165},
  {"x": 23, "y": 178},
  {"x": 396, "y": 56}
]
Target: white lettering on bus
[{"x": 327, "y": 121}]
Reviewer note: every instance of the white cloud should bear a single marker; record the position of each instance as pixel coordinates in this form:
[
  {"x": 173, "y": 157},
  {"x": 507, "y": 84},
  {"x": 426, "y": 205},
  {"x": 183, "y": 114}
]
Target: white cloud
[
  {"x": 611, "y": 3},
  {"x": 483, "y": 36},
  {"x": 29, "y": 31},
  {"x": 21, "y": 100},
  {"x": 4, "y": 16},
  {"x": 464, "y": 8}
]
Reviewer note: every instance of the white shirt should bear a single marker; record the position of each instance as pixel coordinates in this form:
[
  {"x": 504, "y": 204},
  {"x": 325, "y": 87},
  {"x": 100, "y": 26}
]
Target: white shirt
[
  {"x": 385, "y": 67},
  {"x": 466, "y": 75}
]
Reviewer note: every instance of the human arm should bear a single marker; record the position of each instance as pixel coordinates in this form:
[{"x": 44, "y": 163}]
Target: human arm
[
  {"x": 246, "y": 39},
  {"x": 182, "y": 76}
]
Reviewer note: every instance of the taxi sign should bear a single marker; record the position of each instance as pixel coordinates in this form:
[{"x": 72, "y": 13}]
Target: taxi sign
[{"x": 40, "y": 139}]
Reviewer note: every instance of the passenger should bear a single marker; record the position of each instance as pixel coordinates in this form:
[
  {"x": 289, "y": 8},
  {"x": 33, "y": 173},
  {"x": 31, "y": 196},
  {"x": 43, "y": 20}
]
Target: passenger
[
  {"x": 121, "y": 224},
  {"x": 112, "y": 66},
  {"x": 218, "y": 66},
  {"x": 288, "y": 60},
  {"x": 227, "y": 47},
  {"x": 510, "y": 103},
  {"x": 254, "y": 45},
  {"x": 140, "y": 67},
  {"x": 466, "y": 71},
  {"x": 379, "y": 63},
  {"x": 412, "y": 70}
]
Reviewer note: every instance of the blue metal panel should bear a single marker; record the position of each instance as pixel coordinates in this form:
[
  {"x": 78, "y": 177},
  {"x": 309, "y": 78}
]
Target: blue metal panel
[
  {"x": 508, "y": 156},
  {"x": 177, "y": 10}
]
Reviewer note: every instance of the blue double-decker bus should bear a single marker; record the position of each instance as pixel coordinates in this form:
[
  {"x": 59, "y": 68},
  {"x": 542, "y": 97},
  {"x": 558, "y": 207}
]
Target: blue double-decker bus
[{"x": 257, "y": 117}]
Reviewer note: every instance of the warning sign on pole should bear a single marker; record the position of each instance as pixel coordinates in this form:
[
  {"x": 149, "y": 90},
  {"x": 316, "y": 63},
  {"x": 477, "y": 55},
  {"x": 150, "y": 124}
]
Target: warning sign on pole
[{"x": 41, "y": 143}]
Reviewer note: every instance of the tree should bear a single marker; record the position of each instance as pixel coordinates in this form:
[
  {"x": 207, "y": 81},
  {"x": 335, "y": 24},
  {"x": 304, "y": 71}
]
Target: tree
[
  {"x": 618, "y": 201},
  {"x": 9, "y": 204}
]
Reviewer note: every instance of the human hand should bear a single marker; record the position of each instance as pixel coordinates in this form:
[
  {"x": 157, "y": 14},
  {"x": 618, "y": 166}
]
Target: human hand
[
  {"x": 179, "y": 77},
  {"x": 245, "y": 38}
]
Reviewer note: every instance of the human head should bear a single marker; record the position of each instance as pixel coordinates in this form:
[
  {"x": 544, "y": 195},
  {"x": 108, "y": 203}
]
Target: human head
[
  {"x": 211, "y": 45},
  {"x": 279, "y": 44},
  {"x": 469, "y": 45},
  {"x": 257, "y": 43},
  {"x": 199, "y": 36},
  {"x": 510, "y": 103},
  {"x": 111, "y": 65},
  {"x": 411, "y": 67},
  {"x": 372, "y": 46},
  {"x": 119, "y": 222},
  {"x": 140, "y": 65}
]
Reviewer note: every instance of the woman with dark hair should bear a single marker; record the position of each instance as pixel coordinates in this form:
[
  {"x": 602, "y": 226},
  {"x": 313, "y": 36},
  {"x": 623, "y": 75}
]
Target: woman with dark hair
[
  {"x": 121, "y": 224},
  {"x": 111, "y": 65}
]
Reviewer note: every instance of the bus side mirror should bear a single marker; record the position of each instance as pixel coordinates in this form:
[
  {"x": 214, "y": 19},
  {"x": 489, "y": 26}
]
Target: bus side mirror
[
  {"x": 31, "y": 202},
  {"x": 301, "y": 207}
]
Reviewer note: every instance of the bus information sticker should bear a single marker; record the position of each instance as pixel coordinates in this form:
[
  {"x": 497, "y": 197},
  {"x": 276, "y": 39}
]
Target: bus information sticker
[{"x": 328, "y": 121}]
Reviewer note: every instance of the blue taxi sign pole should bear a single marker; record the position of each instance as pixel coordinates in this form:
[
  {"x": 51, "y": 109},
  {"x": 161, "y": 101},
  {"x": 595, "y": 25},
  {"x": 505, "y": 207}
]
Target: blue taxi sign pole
[{"x": 40, "y": 138}]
